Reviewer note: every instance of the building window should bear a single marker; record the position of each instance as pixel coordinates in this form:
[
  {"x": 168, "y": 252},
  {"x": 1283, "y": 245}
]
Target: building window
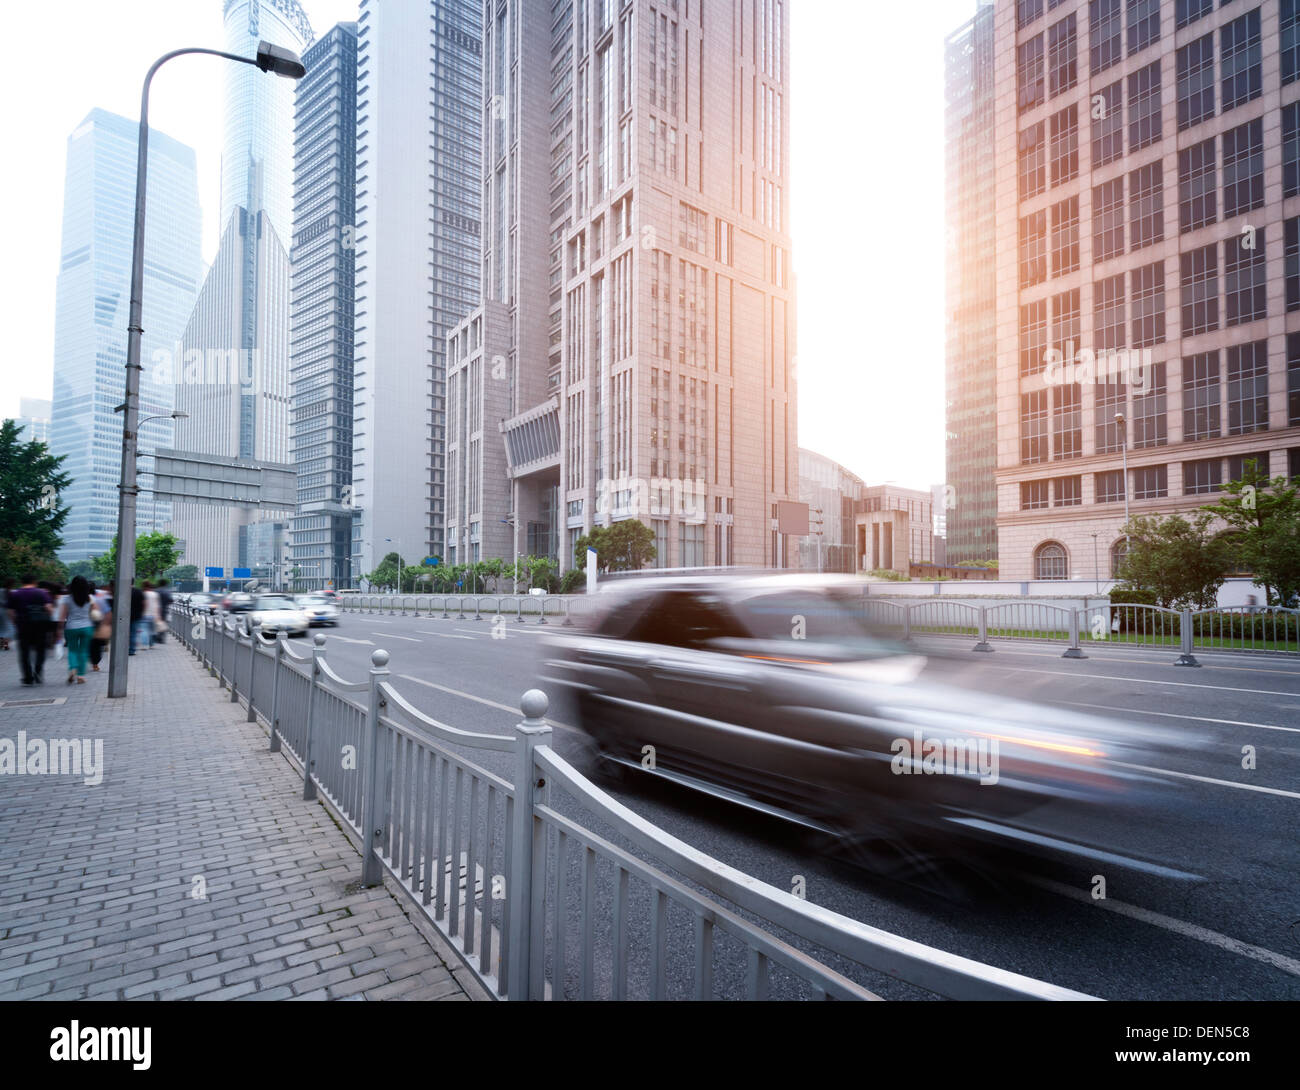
[
  {"x": 1051, "y": 562},
  {"x": 1197, "y": 203},
  {"x": 1062, "y": 63},
  {"x": 1112, "y": 398},
  {"x": 1104, "y": 34},
  {"x": 1029, "y": 72},
  {"x": 1243, "y": 168},
  {"x": 1150, "y": 422},
  {"x": 1033, "y": 427},
  {"x": 1033, "y": 249},
  {"x": 1033, "y": 161},
  {"x": 1239, "y": 58},
  {"x": 1065, "y": 237},
  {"x": 1199, "y": 276},
  {"x": 1196, "y": 82},
  {"x": 1144, "y": 118},
  {"x": 1065, "y": 320},
  {"x": 1148, "y": 289},
  {"x": 1240, "y": 465},
  {"x": 1033, "y": 495},
  {"x": 1027, "y": 11},
  {"x": 1118, "y": 554},
  {"x": 1067, "y": 491},
  {"x": 1067, "y": 422},
  {"x": 1291, "y": 261},
  {"x": 1200, "y": 478},
  {"x": 1291, "y": 146},
  {"x": 1108, "y": 124},
  {"x": 1150, "y": 482},
  {"x": 1108, "y": 219},
  {"x": 1108, "y": 313},
  {"x": 1188, "y": 11},
  {"x": 1293, "y": 379},
  {"x": 1289, "y": 25},
  {"x": 1146, "y": 205},
  {"x": 1063, "y": 156},
  {"x": 1243, "y": 276},
  {"x": 1033, "y": 336},
  {"x": 1109, "y": 486},
  {"x": 1143, "y": 24},
  {"x": 1201, "y": 396},
  {"x": 1247, "y": 387}
]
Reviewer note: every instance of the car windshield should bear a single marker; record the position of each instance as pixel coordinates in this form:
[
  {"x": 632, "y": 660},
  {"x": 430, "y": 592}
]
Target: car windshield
[
  {"x": 274, "y": 603},
  {"x": 816, "y": 616}
]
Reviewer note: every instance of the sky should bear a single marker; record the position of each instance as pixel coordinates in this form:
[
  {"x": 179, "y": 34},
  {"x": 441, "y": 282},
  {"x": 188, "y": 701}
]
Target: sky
[{"x": 867, "y": 163}]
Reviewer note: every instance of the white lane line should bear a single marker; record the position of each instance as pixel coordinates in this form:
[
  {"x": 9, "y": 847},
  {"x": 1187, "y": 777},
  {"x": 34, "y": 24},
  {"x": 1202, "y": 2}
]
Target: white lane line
[
  {"x": 481, "y": 700},
  {"x": 1145, "y": 681},
  {"x": 1173, "y": 715},
  {"x": 1190, "y": 930},
  {"x": 1210, "y": 779},
  {"x": 444, "y": 635},
  {"x": 1121, "y": 660},
  {"x": 395, "y": 636},
  {"x": 345, "y": 639},
  {"x": 512, "y": 628}
]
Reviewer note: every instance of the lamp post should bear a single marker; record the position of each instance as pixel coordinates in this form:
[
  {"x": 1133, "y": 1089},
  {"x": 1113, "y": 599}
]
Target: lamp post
[
  {"x": 270, "y": 58},
  {"x": 177, "y": 415},
  {"x": 1096, "y": 569},
  {"x": 400, "y": 566},
  {"x": 1123, "y": 438}
]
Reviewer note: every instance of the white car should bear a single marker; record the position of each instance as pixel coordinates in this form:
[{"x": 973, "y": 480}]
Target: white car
[
  {"x": 277, "y": 614},
  {"x": 319, "y": 609}
]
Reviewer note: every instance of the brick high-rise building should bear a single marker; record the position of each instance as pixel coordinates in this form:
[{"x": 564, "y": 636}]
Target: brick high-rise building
[
  {"x": 1148, "y": 232},
  {"x": 635, "y": 348}
]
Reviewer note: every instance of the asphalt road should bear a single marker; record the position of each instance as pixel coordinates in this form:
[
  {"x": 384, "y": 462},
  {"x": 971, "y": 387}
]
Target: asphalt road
[{"x": 1230, "y": 929}]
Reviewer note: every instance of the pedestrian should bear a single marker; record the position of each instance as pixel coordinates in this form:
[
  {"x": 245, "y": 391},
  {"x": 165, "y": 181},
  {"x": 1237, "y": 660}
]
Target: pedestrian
[
  {"x": 78, "y": 614},
  {"x": 149, "y": 619},
  {"x": 7, "y": 630},
  {"x": 53, "y": 630},
  {"x": 137, "y": 617},
  {"x": 164, "y": 609},
  {"x": 30, "y": 608},
  {"x": 104, "y": 627}
]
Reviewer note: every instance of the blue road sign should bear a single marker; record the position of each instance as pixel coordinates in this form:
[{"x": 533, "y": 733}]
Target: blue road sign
[
  {"x": 215, "y": 573},
  {"x": 432, "y": 561},
  {"x": 241, "y": 573}
]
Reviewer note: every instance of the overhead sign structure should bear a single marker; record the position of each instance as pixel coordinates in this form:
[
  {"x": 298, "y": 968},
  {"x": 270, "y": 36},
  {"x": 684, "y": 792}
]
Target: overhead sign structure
[
  {"x": 241, "y": 573},
  {"x": 215, "y": 573}
]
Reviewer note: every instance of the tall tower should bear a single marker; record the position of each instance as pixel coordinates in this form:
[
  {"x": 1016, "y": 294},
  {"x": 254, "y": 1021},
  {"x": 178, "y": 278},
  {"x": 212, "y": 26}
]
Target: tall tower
[
  {"x": 647, "y": 362},
  {"x": 417, "y": 260},
  {"x": 321, "y": 322},
  {"x": 232, "y": 364},
  {"x": 91, "y": 315}
]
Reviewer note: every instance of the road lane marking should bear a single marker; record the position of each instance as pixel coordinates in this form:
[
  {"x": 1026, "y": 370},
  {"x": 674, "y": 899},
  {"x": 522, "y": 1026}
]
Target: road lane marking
[
  {"x": 395, "y": 636},
  {"x": 1173, "y": 715},
  {"x": 1182, "y": 927},
  {"x": 1146, "y": 681},
  {"x": 1211, "y": 779},
  {"x": 482, "y": 700},
  {"x": 345, "y": 639},
  {"x": 444, "y": 635},
  {"x": 1121, "y": 660}
]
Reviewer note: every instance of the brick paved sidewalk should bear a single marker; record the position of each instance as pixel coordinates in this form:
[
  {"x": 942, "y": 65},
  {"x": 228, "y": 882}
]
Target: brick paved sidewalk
[{"x": 194, "y": 869}]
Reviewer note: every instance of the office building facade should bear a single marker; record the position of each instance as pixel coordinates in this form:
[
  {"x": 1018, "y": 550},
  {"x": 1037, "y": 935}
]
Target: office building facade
[
  {"x": 1148, "y": 265},
  {"x": 322, "y": 298},
  {"x": 91, "y": 310},
  {"x": 647, "y": 359},
  {"x": 33, "y": 419},
  {"x": 419, "y": 70}
]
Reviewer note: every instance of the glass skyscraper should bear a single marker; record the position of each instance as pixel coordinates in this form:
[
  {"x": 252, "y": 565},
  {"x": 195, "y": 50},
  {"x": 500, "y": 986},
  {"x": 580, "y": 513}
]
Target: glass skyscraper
[
  {"x": 321, "y": 310},
  {"x": 93, "y": 294}
]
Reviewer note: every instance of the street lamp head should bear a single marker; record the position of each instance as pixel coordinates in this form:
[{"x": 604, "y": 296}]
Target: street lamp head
[
  {"x": 281, "y": 61},
  {"x": 179, "y": 415}
]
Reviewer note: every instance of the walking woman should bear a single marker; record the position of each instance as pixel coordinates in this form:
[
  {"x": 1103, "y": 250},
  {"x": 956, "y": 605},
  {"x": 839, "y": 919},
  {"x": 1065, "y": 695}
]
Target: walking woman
[
  {"x": 7, "y": 630},
  {"x": 99, "y": 639},
  {"x": 75, "y": 613}
]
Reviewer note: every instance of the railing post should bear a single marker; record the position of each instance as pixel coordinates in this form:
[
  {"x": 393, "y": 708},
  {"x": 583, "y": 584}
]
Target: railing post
[
  {"x": 274, "y": 717},
  {"x": 308, "y": 761},
  {"x": 541, "y": 609},
  {"x": 519, "y": 603},
  {"x": 907, "y": 620},
  {"x": 234, "y": 661},
  {"x": 525, "y": 976},
  {"x": 372, "y": 832},
  {"x": 568, "y": 614},
  {"x": 1186, "y": 658},
  {"x": 1074, "y": 651},
  {"x": 254, "y": 635},
  {"x": 983, "y": 644},
  {"x": 478, "y": 602}
]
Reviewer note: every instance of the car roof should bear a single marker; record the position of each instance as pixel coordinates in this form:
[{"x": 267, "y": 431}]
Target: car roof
[{"x": 729, "y": 584}]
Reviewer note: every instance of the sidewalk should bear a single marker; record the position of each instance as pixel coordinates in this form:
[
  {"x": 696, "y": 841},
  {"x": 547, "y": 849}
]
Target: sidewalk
[{"x": 194, "y": 869}]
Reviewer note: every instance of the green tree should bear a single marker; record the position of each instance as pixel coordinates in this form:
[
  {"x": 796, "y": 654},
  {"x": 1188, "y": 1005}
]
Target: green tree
[
  {"x": 183, "y": 573},
  {"x": 1178, "y": 559},
  {"x": 155, "y": 553},
  {"x": 84, "y": 568},
  {"x": 1263, "y": 518},
  {"x": 494, "y": 569},
  {"x": 30, "y": 482},
  {"x": 626, "y": 546},
  {"x": 386, "y": 574},
  {"x": 19, "y": 558}
]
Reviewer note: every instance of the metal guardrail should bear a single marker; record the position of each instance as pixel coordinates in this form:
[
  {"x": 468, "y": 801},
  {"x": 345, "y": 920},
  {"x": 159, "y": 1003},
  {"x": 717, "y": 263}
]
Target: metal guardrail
[
  {"x": 470, "y": 607},
  {"x": 538, "y": 904}
]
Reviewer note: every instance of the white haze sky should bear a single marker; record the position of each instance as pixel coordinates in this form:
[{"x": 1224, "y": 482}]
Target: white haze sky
[{"x": 867, "y": 210}]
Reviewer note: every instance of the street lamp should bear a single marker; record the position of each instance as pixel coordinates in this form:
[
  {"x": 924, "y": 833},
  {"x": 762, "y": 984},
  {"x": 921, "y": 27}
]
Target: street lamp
[
  {"x": 1123, "y": 438},
  {"x": 270, "y": 58},
  {"x": 177, "y": 415},
  {"x": 400, "y": 566}
]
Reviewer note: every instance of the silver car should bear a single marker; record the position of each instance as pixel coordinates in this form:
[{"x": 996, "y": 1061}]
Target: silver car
[{"x": 319, "y": 609}]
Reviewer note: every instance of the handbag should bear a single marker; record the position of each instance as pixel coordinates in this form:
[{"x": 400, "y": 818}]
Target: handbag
[
  {"x": 104, "y": 631},
  {"x": 95, "y": 615}
]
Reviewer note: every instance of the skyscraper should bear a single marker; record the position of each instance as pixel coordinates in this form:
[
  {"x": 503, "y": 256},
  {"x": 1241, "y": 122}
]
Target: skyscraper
[
  {"x": 33, "y": 419},
  {"x": 1148, "y": 265},
  {"x": 321, "y": 318},
  {"x": 969, "y": 503},
  {"x": 642, "y": 348},
  {"x": 231, "y": 367},
  {"x": 417, "y": 257},
  {"x": 91, "y": 315}
]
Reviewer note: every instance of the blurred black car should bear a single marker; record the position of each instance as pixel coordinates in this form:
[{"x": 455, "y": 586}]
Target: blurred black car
[{"x": 774, "y": 691}]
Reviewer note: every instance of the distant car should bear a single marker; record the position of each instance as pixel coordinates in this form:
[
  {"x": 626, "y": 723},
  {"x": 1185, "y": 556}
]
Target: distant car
[
  {"x": 201, "y": 602},
  {"x": 275, "y": 613},
  {"x": 238, "y": 602},
  {"x": 320, "y": 609}
]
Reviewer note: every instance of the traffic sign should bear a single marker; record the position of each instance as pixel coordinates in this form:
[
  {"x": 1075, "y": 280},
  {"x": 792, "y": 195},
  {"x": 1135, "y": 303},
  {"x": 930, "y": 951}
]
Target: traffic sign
[
  {"x": 215, "y": 573},
  {"x": 241, "y": 573},
  {"x": 432, "y": 561}
]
